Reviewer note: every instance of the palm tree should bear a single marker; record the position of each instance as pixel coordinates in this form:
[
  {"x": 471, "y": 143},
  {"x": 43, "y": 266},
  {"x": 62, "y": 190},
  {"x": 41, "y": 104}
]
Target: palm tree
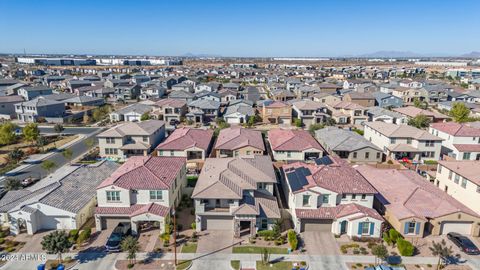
[
  {"x": 442, "y": 251},
  {"x": 131, "y": 246}
]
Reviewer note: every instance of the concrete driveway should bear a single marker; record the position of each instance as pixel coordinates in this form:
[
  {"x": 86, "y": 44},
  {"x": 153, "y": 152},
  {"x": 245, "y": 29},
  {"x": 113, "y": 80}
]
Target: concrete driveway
[
  {"x": 215, "y": 242},
  {"x": 33, "y": 242},
  {"x": 320, "y": 243}
]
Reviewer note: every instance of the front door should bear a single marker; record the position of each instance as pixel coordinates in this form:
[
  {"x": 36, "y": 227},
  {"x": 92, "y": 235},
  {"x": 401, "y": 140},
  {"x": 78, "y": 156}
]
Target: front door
[{"x": 343, "y": 227}]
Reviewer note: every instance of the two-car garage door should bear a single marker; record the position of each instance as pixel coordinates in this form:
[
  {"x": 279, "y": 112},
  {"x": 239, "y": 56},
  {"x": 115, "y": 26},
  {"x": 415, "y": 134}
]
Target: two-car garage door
[
  {"x": 319, "y": 225},
  {"x": 217, "y": 223},
  {"x": 458, "y": 227}
]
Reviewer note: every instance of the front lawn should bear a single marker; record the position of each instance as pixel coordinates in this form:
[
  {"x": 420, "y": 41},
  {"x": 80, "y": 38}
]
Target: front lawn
[
  {"x": 235, "y": 264},
  {"x": 258, "y": 250},
  {"x": 183, "y": 265},
  {"x": 189, "y": 247},
  {"x": 275, "y": 266}
]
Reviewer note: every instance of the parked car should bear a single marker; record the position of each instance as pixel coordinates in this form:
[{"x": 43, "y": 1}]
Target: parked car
[
  {"x": 29, "y": 181},
  {"x": 121, "y": 231},
  {"x": 465, "y": 244}
]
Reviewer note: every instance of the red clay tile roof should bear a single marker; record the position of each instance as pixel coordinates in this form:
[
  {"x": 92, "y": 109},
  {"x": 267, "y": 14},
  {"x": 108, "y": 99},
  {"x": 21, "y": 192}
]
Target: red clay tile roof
[
  {"x": 184, "y": 138},
  {"x": 339, "y": 177},
  {"x": 236, "y": 137},
  {"x": 144, "y": 173},
  {"x": 171, "y": 102},
  {"x": 292, "y": 140},
  {"x": 467, "y": 147},
  {"x": 456, "y": 129},
  {"x": 135, "y": 210},
  {"x": 339, "y": 211}
]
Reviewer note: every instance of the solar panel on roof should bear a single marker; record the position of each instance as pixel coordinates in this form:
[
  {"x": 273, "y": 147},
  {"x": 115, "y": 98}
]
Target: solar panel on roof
[
  {"x": 325, "y": 160},
  {"x": 298, "y": 178}
]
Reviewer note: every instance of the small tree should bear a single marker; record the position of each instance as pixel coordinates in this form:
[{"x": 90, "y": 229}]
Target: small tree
[
  {"x": 48, "y": 165},
  {"x": 405, "y": 248},
  {"x": 58, "y": 128},
  {"x": 315, "y": 127},
  {"x": 86, "y": 118},
  {"x": 443, "y": 252},
  {"x": 298, "y": 122},
  {"x": 419, "y": 121},
  {"x": 41, "y": 141},
  {"x": 131, "y": 246},
  {"x": 292, "y": 239},
  {"x": 15, "y": 155},
  {"x": 31, "y": 132},
  {"x": 7, "y": 133},
  {"x": 277, "y": 227},
  {"x": 265, "y": 256},
  {"x": 380, "y": 252},
  {"x": 67, "y": 154},
  {"x": 420, "y": 104},
  {"x": 145, "y": 116},
  {"x": 12, "y": 184},
  {"x": 90, "y": 142},
  {"x": 251, "y": 121},
  {"x": 56, "y": 243},
  {"x": 459, "y": 112}
]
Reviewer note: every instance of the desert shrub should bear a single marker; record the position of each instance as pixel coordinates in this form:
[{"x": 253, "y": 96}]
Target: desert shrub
[
  {"x": 292, "y": 239},
  {"x": 405, "y": 248},
  {"x": 266, "y": 233}
]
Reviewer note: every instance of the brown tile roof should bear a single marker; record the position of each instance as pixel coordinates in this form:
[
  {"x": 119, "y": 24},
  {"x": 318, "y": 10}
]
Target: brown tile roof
[
  {"x": 171, "y": 102},
  {"x": 292, "y": 140},
  {"x": 469, "y": 169},
  {"x": 339, "y": 211},
  {"x": 456, "y": 129},
  {"x": 184, "y": 138},
  {"x": 406, "y": 194},
  {"x": 401, "y": 131},
  {"x": 146, "y": 172},
  {"x": 135, "y": 210},
  {"x": 145, "y": 128},
  {"x": 237, "y": 137},
  {"x": 414, "y": 111}
]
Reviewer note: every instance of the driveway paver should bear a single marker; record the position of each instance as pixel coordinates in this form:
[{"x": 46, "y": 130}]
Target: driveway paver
[
  {"x": 320, "y": 243},
  {"x": 215, "y": 242}
]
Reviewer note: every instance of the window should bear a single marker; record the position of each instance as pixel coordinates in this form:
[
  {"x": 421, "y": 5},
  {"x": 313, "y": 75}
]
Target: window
[
  {"x": 354, "y": 196},
  {"x": 478, "y": 189},
  {"x": 145, "y": 138},
  {"x": 364, "y": 196},
  {"x": 365, "y": 227},
  {"x": 450, "y": 175},
  {"x": 264, "y": 224},
  {"x": 354, "y": 154},
  {"x": 249, "y": 152},
  {"x": 378, "y": 155},
  {"x": 289, "y": 154},
  {"x": 457, "y": 178},
  {"x": 344, "y": 196},
  {"x": 110, "y": 140},
  {"x": 261, "y": 185},
  {"x": 306, "y": 200},
  {"x": 411, "y": 228},
  {"x": 393, "y": 141},
  {"x": 111, "y": 151},
  {"x": 439, "y": 170},
  {"x": 156, "y": 195},
  {"x": 113, "y": 196},
  {"x": 160, "y": 152},
  {"x": 466, "y": 156},
  {"x": 429, "y": 143},
  {"x": 409, "y": 140},
  {"x": 367, "y": 155},
  {"x": 172, "y": 153},
  {"x": 325, "y": 198},
  {"x": 464, "y": 183}
]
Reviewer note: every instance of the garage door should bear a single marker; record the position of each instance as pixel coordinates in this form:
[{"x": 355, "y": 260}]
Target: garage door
[
  {"x": 316, "y": 225},
  {"x": 233, "y": 120},
  {"x": 284, "y": 121},
  {"x": 56, "y": 222},
  {"x": 112, "y": 222},
  {"x": 218, "y": 223},
  {"x": 458, "y": 227}
]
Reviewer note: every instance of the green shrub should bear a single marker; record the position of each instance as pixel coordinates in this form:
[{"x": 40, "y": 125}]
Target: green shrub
[
  {"x": 2, "y": 234},
  {"x": 266, "y": 233},
  {"x": 394, "y": 235},
  {"x": 405, "y": 248},
  {"x": 9, "y": 249},
  {"x": 356, "y": 251},
  {"x": 292, "y": 239},
  {"x": 2, "y": 240},
  {"x": 84, "y": 236}
]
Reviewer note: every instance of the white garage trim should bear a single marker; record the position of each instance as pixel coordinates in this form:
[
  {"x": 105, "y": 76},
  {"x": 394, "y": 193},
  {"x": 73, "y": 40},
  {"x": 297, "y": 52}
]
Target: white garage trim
[
  {"x": 456, "y": 226},
  {"x": 217, "y": 223},
  {"x": 320, "y": 225}
]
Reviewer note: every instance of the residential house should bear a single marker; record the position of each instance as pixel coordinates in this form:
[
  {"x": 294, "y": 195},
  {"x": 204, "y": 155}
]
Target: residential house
[
  {"x": 227, "y": 95},
  {"x": 282, "y": 95},
  {"x": 127, "y": 92},
  {"x": 460, "y": 142},
  {"x": 203, "y": 110},
  {"x": 411, "y": 112},
  {"x": 131, "y": 139},
  {"x": 415, "y": 207},
  {"x": 237, "y": 141},
  {"x": 208, "y": 96},
  {"x": 325, "y": 98},
  {"x": 385, "y": 100},
  {"x": 142, "y": 193},
  {"x": 348, "y": 145},
  {"x": 362, "y": 99},
  {"x": 384, "y": 115},
  {"x": 331, "y": 196},
  {"x": 131, "y": 113},
  {"x": 345, "y": 112},
  {"x": 193, "y": 144},
  {"x": 276, "y": 112},
  {"x": 238, "y": 113},
  {"x": 64, "y": 200},
  {"x": 461, "y": 180},
  {"x": 182, "y": 95},
  {"x": 409, "y": 95},
  {"x": 171, "y": 110},
  {"x": 7, "y": 106},
  {"x": 236, "y": 195},
  {"x": 293, "y": 145},
  {"x": 39, "y": 107},
  {"x": 31, "y": 92},
  {"x": 183, "y": 86},
  {"x": 403, "y": 141},
  {"x": 309, "y": 112}
]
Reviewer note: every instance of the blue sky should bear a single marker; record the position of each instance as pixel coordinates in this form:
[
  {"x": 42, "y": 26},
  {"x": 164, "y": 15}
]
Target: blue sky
[{"x": 240, "y": 28}]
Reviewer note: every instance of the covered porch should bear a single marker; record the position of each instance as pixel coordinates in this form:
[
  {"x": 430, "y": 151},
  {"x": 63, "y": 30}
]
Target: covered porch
[{"x": 401, "y": 151}]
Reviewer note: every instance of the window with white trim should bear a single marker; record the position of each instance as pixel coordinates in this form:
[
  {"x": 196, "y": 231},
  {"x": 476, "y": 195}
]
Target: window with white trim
[
  {"x": 411, "y": 227},
  {"x": 156, "y": 195},
  {"x": 365, "y": 227},
  {"x": 113, "y": 196}
]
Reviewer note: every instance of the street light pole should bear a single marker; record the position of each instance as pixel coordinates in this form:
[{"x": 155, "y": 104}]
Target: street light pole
[{"x": 174, "y": 234}]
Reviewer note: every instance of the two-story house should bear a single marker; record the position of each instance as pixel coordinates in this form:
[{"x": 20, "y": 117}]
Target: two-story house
[
  {"x": 237, "y": 141},
  {"x": 403, "y": 141},
  {"x": 236, "y": 194},
  {"x": 203, "y": 110},
  {"x": 171, "y": 110},
  {"x": 411, "y": 112},
  {"x": 131, "y": 139},
  {"x": 276, "y": 112},
  {"x": 460, "y": 141},
  {"x": 461, "y": 180},
  {"x": 330, "y": 196},
  {"x": 385, "y": 100},
  {"x": 142, "y": 191},
  {"x": 309, "y": 112},
  {"x": 31, "y": 92},
  {"x": 194, "y": 144},
  {"x": 384, "y": 115},
  {"x": 130, "y": 113},
  {"x": 293, "y": 145},
  {"x": 39, "y": 107},
  {"x": 346, "y": 112}
]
